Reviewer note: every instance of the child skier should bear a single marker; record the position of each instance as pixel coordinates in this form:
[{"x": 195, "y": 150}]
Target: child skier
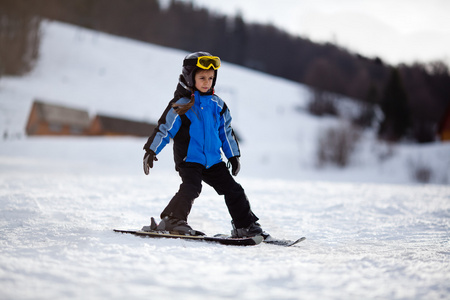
[{"x": 198, "y": 121}]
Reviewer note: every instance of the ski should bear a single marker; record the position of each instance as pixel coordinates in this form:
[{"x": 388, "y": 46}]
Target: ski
[
  {"x": 247, "y": 241},
  {"x": 268, "y": 239},
  {"x": 286, "y": 243}
]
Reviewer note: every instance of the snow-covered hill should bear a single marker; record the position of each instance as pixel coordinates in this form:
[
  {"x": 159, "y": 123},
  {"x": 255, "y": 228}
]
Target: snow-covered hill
[
  {"x": 371, "y": 233},
  {"x": 116, "y": 76}
]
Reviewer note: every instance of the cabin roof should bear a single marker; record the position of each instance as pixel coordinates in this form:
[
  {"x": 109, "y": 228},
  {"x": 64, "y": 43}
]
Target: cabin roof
[{"x": 57, "y": 114}]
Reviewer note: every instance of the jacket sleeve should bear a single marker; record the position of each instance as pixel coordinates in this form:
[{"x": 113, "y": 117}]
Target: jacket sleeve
[
  {"x": 230, "y": 144},
  {"x": 168, "y": 126}
]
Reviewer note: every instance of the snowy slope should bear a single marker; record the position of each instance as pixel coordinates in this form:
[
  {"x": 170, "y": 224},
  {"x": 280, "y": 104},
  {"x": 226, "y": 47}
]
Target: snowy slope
[
  {"x": 364, "y": 241},
  {"x": 116, "y": 76},
  {"x": 371, "y": 234}
]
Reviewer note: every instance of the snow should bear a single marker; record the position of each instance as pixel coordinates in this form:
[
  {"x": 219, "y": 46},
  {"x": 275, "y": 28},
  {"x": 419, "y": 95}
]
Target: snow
[{"x": 372, "y": 233}]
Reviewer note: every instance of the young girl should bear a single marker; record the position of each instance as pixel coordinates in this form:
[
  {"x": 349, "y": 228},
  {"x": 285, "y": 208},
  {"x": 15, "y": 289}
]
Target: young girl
[{"x": 199, "y": 123}]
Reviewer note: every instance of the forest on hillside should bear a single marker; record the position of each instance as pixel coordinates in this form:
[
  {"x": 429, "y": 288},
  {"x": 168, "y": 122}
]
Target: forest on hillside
[{"x": 413, "y": 98}]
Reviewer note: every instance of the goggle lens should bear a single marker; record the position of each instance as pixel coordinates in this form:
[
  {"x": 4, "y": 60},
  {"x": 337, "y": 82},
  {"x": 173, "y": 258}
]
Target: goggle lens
[{"x": 206, "y": 62}]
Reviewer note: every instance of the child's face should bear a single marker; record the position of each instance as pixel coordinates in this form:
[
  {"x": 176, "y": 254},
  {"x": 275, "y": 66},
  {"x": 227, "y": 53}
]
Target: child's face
[{"x": 204, "y": 80}]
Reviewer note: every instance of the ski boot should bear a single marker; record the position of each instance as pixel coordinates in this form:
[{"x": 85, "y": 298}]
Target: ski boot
[
  {"x": 252, "y": 230},
  {"x": 172, "y": 225}
]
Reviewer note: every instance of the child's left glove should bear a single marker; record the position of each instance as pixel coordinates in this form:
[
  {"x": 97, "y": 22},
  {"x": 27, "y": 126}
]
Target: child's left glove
[
  {"x": 235, "y": 165},
  {"x": 149, "y": 157}
]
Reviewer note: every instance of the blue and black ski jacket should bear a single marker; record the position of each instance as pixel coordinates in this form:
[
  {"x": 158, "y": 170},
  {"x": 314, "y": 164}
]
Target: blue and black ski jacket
[{"x": 199, "y": 134}]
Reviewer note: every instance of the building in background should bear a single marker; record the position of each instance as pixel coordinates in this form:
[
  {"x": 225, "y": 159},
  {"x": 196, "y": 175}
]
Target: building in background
[
  {"x": 50, "y": 119},
  {"x": 57, "y": 120},
  {"x": 444, "y": 126},
  {"x": 112, "y": 126}
]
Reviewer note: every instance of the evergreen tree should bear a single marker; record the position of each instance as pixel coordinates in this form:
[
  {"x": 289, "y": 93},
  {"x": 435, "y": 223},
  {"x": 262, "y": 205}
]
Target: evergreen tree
[
  {"x": 367, "y": 113},
  {"x": 394, "y": 104}
]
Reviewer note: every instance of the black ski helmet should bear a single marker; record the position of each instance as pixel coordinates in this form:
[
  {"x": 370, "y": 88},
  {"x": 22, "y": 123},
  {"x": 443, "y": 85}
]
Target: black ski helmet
[{"x": 188, "y": 71}]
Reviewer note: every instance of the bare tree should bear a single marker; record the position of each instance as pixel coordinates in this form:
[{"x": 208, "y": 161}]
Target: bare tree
[{"x": 19, "y": 36}]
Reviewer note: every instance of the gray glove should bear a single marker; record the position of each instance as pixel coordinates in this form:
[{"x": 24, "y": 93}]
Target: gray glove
[{"x": 149, "y": 157}]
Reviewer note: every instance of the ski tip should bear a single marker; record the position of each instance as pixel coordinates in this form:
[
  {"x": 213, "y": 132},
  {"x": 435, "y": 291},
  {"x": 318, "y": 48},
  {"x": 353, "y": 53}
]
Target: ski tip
[
  {"x": 286, "y": 243},
  {"x": 296, "y": 242}
]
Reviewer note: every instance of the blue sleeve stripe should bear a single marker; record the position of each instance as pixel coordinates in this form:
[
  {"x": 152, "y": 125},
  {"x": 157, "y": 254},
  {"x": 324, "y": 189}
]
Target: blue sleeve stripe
[
  {"x": 166, "y": 129},
  {"x": 230, "y": 146},
  {"x": 227, "y": 134}
]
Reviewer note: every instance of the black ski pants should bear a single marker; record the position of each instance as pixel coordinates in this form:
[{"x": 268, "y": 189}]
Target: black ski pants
[{"x": 218, "y": 177}]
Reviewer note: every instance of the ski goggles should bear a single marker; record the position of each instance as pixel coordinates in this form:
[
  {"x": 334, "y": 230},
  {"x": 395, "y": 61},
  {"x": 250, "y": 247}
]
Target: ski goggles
[{"x": 203, "y": 62}]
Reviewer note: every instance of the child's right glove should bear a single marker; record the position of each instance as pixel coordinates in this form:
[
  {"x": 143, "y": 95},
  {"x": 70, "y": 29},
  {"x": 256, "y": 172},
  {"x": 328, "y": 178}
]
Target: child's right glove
[{"x": 149, "y": 157}]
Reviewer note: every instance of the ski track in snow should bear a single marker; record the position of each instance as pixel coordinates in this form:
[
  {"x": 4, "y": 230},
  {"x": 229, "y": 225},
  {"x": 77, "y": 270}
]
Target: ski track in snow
[{"x": 371, "y": 241}]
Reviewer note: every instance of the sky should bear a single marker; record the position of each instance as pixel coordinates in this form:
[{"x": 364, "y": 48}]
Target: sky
[{"x": 400, "y": 31}]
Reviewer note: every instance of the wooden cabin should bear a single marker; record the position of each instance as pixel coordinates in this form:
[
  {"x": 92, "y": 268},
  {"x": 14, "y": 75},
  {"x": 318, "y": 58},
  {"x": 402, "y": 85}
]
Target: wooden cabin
[
  {"x": 50, "y": 119},
  {"x": 112, "y": 126},
  {"x": 444, "y": 126}
]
